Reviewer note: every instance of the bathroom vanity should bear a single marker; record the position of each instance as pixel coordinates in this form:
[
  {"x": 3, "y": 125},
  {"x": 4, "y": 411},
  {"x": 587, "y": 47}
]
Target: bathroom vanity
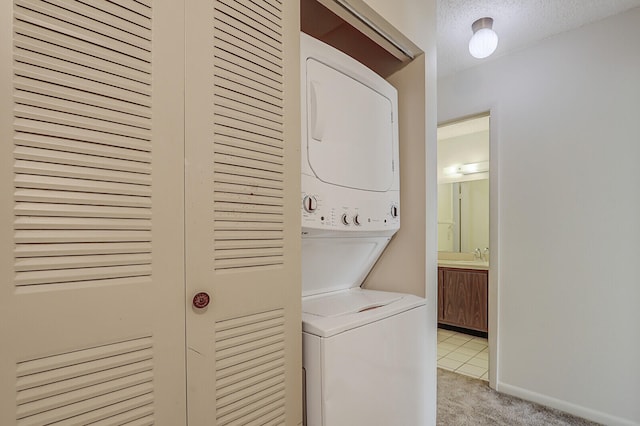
[{"x": 462, "y": 295}]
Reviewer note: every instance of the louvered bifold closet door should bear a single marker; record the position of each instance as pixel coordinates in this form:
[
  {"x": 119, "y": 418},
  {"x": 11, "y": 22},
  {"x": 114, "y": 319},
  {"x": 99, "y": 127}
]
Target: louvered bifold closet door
[
  {"x": 243, "y": 212},
  {"x": 92, "y": 316}
]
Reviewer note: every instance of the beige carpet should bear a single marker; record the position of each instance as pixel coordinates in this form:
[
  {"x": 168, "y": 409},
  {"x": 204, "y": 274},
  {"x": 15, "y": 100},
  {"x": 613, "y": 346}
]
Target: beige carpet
[{"x": 465, "y": 401}]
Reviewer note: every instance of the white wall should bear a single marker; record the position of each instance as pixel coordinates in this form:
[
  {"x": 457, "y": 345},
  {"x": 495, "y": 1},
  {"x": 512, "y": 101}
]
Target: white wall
[
  {"x": 566, "y": 155},
  {"x": 416, "y": 19}
]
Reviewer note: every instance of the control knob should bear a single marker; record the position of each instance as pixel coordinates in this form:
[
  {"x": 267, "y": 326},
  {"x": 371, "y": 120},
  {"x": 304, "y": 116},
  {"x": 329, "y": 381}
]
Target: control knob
[
  {"x": 394, "y": 211},
  {"x": 356, "y": 220},
  {"x": 309, "y": 203},
  {"x": 346, "y": 220}
]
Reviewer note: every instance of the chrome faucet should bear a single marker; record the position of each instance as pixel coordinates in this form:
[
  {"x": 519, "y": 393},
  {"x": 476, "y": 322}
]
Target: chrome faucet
[
  {"x": 485, "y": 254},
  {"x": 477, "y": 254}
]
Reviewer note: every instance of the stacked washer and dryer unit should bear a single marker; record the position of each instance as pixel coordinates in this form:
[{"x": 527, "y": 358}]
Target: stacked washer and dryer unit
[{"x": 364, "y": 351}]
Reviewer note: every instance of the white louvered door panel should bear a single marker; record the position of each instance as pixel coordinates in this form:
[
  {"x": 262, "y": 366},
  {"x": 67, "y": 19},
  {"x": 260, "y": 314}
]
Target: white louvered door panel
[
  {"x": 243, "y": 212},
  {"x": 91, "y": 296}
]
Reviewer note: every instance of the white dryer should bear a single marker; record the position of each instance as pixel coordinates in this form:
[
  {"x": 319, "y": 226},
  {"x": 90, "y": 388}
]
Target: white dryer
[{"x": 364, "y": 351}]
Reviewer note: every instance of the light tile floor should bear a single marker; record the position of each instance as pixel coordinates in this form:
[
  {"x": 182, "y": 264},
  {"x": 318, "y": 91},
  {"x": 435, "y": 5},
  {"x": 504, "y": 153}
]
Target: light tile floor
[{"x": 464, "y": 354}]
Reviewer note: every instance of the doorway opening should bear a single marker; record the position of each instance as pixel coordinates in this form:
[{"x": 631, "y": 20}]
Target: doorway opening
[{"x": 463, "y": 246}]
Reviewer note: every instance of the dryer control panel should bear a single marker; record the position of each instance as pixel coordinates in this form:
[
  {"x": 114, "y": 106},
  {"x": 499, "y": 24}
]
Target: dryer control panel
[
  {"x": 344, "y": 209},
  {"x": 318, "y": 215}
]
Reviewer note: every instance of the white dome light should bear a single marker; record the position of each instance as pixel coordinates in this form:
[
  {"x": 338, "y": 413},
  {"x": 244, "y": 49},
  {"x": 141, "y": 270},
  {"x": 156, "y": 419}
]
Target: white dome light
[{"x": 484, "y": 40}]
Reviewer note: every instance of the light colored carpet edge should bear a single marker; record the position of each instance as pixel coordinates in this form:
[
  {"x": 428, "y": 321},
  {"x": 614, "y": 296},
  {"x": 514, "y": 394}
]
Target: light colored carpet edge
[{"x": 466, "y": 401}]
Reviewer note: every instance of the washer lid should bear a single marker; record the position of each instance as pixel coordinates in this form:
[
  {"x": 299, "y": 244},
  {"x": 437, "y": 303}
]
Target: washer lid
[
  {"x": 328, "y": 315},
  {"x": 348, "y": 302}
]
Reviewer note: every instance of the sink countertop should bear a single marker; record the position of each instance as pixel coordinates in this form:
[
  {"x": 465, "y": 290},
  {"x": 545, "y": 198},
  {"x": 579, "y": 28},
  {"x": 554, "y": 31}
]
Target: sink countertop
[{"x": 464, "y": 264}]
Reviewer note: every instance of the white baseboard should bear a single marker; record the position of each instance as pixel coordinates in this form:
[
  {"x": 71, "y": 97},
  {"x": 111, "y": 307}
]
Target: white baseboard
[{"x": 567, "y": 407}]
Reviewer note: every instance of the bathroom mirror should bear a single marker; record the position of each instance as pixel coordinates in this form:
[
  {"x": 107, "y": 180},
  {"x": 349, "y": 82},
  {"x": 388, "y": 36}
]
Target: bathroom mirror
[{"x": 463, "y": 216}]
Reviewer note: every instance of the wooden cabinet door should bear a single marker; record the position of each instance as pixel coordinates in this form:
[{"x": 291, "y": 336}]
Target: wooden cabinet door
[
  {"x": 464, "y": 298},
  {"x": 91, "y": 213},
  {"x": 243, "y": 212}
]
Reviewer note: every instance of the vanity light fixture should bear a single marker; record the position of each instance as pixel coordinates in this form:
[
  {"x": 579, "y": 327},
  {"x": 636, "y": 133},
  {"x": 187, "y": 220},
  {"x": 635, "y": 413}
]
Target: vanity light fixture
[
  {"x": 484, "y": 40},
  {"x": 466, "y": 169}
]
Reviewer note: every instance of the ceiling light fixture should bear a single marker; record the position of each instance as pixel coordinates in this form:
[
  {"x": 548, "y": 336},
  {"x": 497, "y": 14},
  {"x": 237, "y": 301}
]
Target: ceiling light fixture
[{"x": 484, "y": 40}]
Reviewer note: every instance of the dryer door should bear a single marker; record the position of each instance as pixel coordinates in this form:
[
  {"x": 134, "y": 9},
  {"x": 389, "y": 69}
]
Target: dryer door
[{"x": 350, "y": 130}]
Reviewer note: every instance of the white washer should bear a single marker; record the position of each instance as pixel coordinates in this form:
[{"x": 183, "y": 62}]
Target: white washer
[
  {"x": 364, "y": 367},
  {"x": 364, "y": 351}
]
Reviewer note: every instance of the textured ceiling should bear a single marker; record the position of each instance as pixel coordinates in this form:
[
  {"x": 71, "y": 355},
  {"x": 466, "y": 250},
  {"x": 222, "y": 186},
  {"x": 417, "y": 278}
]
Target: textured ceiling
[{"x": 518, "y": 23}]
